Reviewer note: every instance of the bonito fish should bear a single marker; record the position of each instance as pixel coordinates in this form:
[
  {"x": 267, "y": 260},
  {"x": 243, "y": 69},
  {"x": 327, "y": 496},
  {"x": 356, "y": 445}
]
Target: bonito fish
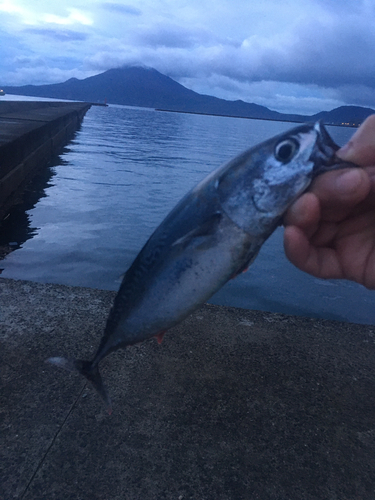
[{"x": 212, "y": 235}]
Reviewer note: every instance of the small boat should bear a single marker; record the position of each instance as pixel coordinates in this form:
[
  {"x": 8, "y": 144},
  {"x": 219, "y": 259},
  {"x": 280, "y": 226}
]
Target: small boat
[{"x": 2, "y": 92}]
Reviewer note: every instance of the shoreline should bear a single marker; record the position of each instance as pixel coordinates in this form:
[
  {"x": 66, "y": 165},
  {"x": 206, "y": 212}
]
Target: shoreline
[{"x": 255, "y": 118}]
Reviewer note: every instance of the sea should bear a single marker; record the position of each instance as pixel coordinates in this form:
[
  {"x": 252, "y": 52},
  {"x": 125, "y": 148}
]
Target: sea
[{"x": 87, "y": 215}]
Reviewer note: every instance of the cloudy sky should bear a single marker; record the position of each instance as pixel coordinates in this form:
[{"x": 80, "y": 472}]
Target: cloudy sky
[{"x": 300, "y": 56}]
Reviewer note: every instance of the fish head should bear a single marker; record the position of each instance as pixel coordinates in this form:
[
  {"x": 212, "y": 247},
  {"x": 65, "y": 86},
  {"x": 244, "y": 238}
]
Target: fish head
[{"x": 257, "y": 187}]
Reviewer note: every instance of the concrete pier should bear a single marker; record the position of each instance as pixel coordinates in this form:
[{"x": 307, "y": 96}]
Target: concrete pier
[
  {"x": 31, "y": 134},
  {"x": 233, "y": 405}
]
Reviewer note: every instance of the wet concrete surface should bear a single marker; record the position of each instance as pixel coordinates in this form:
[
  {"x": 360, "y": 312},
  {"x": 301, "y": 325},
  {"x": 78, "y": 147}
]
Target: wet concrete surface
[{"x": 234, "y": 404}]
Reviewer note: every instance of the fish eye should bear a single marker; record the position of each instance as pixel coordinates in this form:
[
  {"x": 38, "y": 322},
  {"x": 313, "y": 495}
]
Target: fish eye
[{"x": 285, "y": 150}]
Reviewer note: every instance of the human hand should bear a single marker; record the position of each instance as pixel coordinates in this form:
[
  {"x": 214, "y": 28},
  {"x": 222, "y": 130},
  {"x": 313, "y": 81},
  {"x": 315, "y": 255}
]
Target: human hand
[{"x": 330, "y": 230}]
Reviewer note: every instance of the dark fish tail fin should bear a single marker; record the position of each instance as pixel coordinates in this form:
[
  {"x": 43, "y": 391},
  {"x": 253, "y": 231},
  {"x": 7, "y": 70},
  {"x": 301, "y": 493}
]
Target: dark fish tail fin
[{"x": 88, "y": 370}]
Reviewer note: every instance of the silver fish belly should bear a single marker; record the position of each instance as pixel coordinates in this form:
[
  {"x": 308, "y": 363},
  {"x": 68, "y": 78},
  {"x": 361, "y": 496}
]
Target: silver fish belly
[{"x": 212, "y": 235}]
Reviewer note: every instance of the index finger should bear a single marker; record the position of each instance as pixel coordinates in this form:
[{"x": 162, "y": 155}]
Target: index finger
[{"x": 339, "y": 191}]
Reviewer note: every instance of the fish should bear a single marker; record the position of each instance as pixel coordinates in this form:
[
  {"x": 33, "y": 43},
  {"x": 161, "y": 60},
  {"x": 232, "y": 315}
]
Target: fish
[{"x": 211, "y": 236}]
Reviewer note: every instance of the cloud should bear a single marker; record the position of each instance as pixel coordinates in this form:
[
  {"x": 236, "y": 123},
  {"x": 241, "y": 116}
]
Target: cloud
[
  {"x": 360, "y": 95},
  {"x": 41, "y": 74},
  {"x": 30, "y": 62},
  {"x": 325, "y": 53},
  {"x": 328, "y": 52},
  {"x": 316, "y": 53},
  {"x": 19, "y": 12},
  {"x": 119, "y": 8},
  {"x": 317, "y": 64},
  {"x": 12, "y": 9},
  {"x": 279, "y": 96},
  {"x": 173, "y": 36},
  {"x": 61, "y": 35},
  {"x": 75, "y": 16}
]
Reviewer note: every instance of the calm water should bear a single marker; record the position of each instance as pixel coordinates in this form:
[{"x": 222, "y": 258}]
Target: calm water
[{"x": 115, "y": 182}]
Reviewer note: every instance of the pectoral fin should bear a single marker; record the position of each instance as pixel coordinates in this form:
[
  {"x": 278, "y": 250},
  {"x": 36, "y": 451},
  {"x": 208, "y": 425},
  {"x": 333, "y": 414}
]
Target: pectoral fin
[{"x": 207, "y": 228}]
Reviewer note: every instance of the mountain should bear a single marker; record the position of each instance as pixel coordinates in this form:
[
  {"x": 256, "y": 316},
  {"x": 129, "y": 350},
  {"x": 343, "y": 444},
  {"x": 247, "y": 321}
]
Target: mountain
[
  {"x": 344, "y": 115},
  {"x": 136, "y": 86},
  {"x": 146, "y": 87}
]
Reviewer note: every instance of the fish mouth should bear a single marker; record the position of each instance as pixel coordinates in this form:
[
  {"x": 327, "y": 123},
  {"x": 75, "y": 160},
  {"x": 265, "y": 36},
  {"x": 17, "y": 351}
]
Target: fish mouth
[{"x": 324, "y": 152}]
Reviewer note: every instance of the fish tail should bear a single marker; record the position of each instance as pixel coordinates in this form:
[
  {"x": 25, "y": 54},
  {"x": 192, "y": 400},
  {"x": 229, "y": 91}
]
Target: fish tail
[{"x": 88, "y": 370}]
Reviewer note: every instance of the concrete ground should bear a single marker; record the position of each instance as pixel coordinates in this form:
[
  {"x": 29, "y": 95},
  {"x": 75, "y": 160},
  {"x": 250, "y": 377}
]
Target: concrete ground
[{"x": 233, "y": 405}]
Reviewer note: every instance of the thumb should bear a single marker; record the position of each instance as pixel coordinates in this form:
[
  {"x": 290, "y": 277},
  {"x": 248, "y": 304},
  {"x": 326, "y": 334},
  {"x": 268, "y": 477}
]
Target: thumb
[{"x": 361, "y": 147}]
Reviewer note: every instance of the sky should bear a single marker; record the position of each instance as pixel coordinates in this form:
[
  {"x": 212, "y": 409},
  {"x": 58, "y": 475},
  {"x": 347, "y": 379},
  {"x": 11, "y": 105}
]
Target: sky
[{"x": 293, "y": 56}]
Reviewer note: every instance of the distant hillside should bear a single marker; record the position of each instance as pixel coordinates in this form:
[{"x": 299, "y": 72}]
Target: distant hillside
[
  {"x": 345, "y": 115},
  {"x": 146, "y": 87}
]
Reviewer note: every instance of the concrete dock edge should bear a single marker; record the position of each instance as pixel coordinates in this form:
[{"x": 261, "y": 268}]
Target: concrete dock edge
[{"x": 31, "y": 134}]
